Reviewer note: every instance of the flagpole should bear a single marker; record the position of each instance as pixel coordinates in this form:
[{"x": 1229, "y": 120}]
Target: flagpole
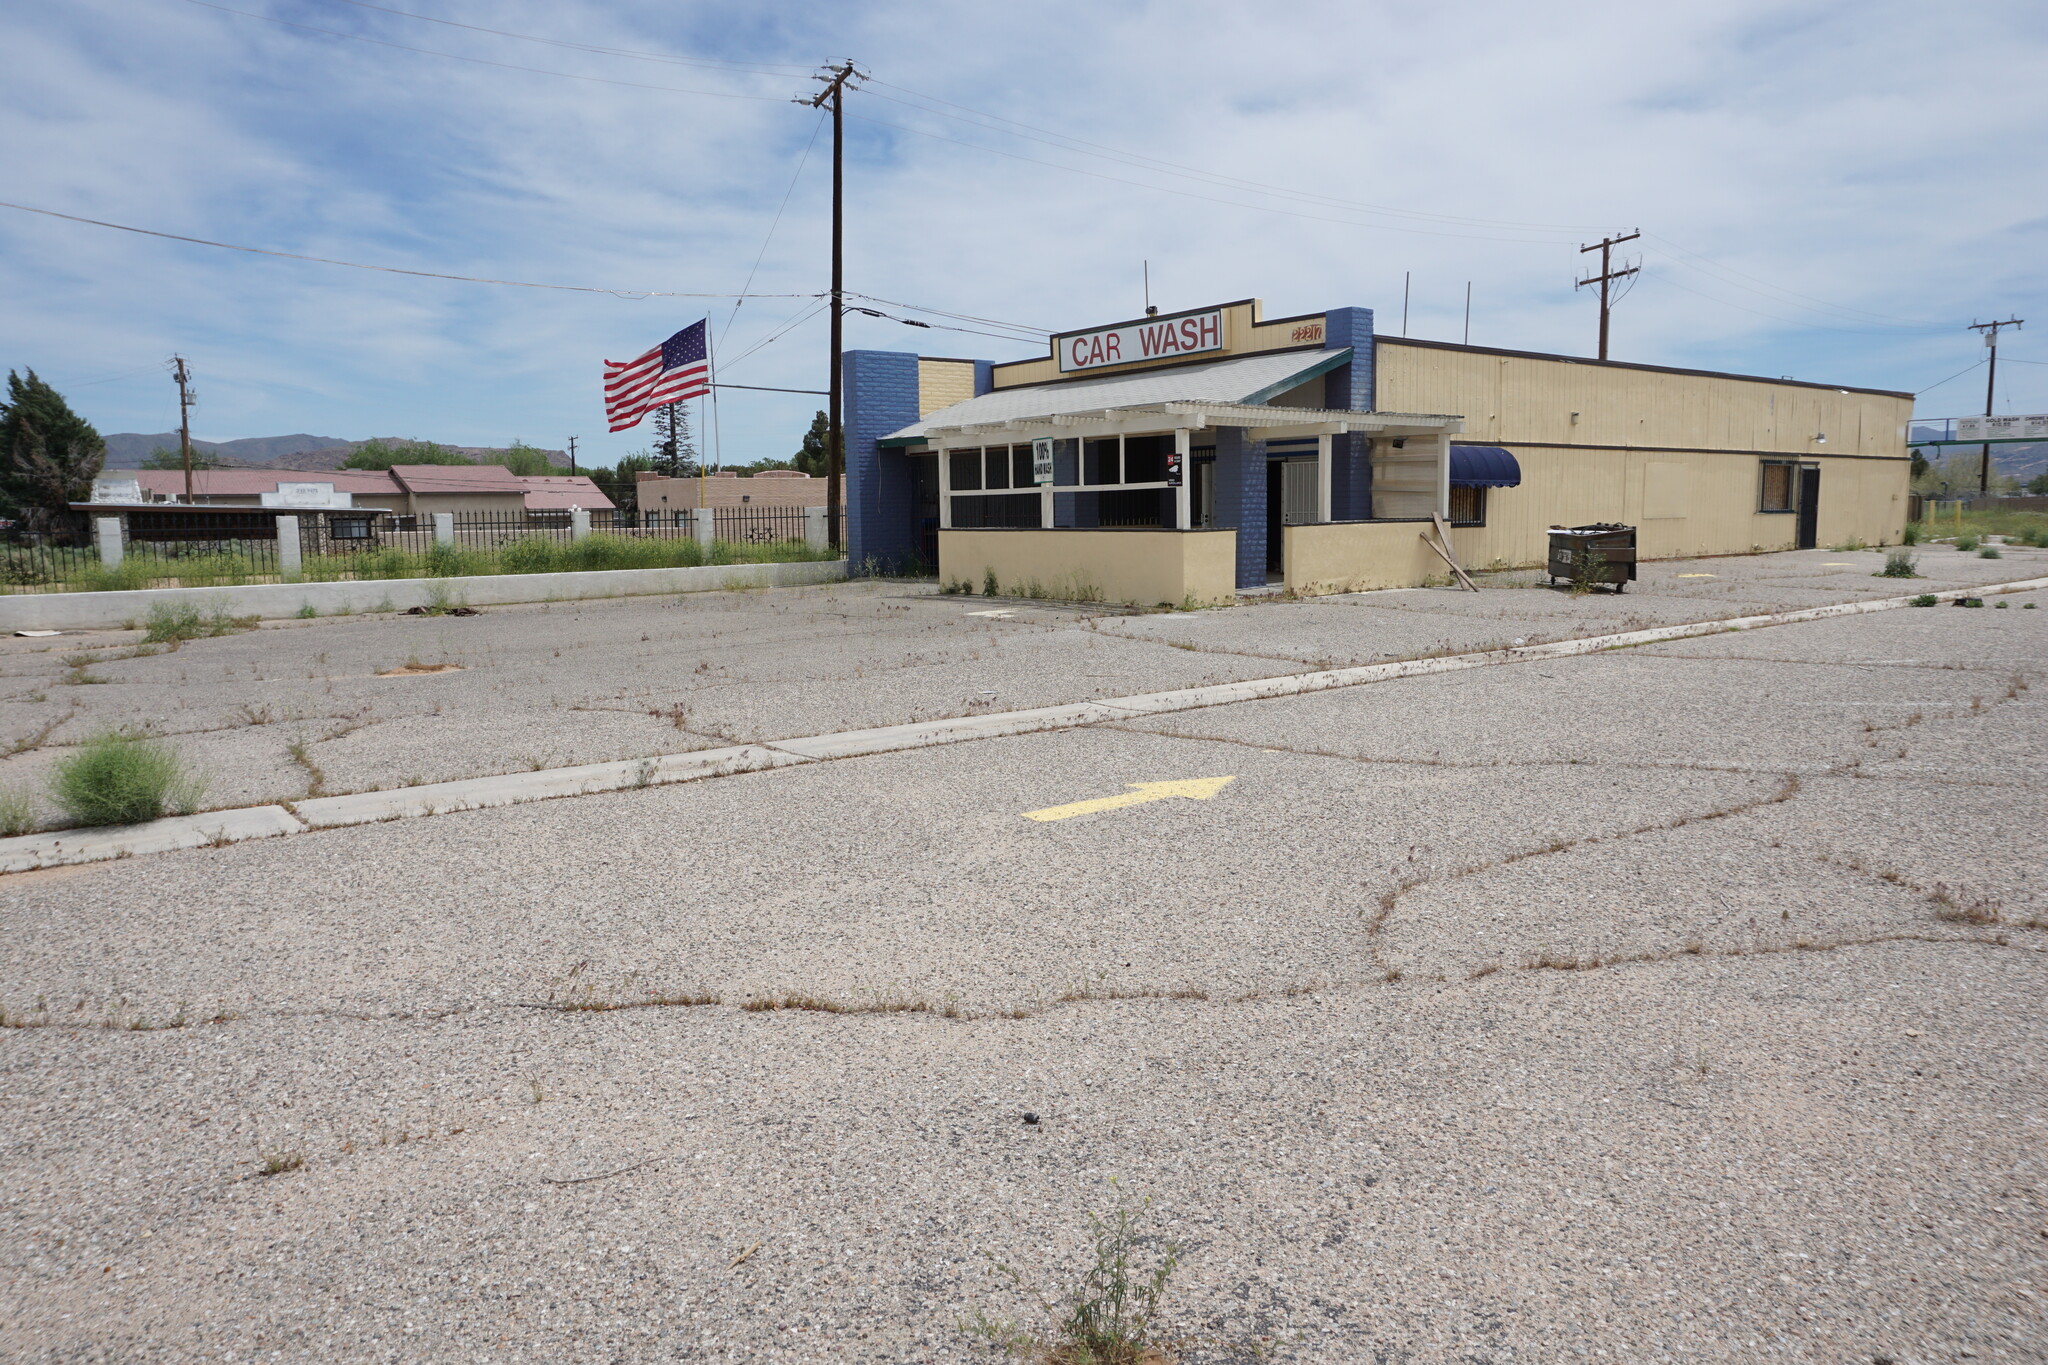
[{"x": 711, "y": 384}]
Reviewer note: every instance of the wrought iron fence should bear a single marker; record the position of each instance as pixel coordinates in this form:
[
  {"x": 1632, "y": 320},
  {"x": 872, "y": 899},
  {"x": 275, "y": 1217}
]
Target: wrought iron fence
[{"x": 226, "y": 546}]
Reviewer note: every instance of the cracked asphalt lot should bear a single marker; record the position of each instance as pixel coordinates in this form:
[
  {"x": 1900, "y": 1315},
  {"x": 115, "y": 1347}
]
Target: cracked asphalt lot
[{"x": 1681, "y": 1002}]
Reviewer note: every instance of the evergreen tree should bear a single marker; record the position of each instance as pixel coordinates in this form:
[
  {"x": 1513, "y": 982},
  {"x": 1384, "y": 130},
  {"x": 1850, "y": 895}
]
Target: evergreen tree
[
  {"x": 817, "y": 448},
  {"x": 162, "y": 458},
  {"x": 49, "y": 455},
  {"x": 675, "y": 447}
]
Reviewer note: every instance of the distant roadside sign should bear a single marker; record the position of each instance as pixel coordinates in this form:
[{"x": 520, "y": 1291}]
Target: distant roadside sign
[{"x": 2031, "y": 427}]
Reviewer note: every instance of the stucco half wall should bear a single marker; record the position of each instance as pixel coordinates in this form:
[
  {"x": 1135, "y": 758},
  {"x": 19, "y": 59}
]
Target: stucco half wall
[{"x": 1139, "y": 565}]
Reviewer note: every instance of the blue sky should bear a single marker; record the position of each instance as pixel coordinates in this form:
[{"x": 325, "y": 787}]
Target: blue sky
[{"x": 1830, "y": 191}]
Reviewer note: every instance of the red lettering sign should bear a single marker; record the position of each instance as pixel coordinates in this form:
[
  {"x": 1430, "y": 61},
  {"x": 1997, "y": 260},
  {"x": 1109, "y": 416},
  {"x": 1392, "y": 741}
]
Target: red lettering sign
[{"x": 1148, "y": 340}]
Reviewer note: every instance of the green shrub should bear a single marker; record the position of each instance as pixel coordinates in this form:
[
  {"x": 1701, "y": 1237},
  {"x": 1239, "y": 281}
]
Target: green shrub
[
  {"x": 1966, "y": 542},
  {"x": 528, "y": 554},
  {"x": 17, "y": 814},
  {"x": 172, "y": 625},
  {"x": 117, "y": 779},
  {"x": 1914, "y": 533},
  {"x": 1925, "y": 599},
  {"x": 1991, "y": 552},
  {"x": 1898, "y": 564}
]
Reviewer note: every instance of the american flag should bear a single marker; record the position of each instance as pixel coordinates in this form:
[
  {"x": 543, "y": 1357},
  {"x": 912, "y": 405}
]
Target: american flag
[{"x": 679, "y": 368}]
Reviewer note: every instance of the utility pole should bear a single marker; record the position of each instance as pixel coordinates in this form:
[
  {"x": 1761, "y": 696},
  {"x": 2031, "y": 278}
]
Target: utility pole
[
  {"x": 185, "y": 401},
  {"x": 832, "y": 97},
  {"x": 1990, "y": 331},
  {"x": 572, "y": 454},
  {"x": 1605, "y": 246}
]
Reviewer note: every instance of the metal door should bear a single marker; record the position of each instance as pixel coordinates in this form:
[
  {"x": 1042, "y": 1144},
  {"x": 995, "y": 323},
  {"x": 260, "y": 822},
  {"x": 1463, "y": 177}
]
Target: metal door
[{"x": 1809, "y": 506}]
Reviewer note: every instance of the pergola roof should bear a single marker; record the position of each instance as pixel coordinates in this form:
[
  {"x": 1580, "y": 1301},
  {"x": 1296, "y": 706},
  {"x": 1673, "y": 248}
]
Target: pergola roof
[
  {"x": 1261, "y": 423},
  {"x": 1229, "y": 393}
]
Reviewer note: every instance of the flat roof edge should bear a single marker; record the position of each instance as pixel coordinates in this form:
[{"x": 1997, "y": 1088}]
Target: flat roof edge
[{"x": 1636, "y": 365}]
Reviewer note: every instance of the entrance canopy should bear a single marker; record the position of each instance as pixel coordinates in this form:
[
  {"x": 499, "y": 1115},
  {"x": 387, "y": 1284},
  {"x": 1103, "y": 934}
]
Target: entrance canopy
[
  {"x": 1484, "y": 467},
  {"x": 1233, "y": 393}
]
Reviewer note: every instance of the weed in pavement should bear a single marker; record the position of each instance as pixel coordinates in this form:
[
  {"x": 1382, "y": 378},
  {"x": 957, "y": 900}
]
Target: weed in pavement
[
  {"x": 1898, "y": 564},
  {"x": 117, "y": 779},
  {"x": 175, "y": 625},
  {"x": 17, "y": 814},
  {"x": 1108, "y": 1315}
]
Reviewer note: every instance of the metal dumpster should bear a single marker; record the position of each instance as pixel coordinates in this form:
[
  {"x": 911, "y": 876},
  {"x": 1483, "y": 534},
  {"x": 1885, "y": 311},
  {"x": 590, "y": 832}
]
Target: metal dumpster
[{"x": 1604, "y": 552}]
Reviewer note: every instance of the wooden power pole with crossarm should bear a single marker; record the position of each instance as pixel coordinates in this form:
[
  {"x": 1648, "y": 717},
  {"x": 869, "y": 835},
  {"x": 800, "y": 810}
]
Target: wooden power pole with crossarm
[
  {"x": 831, "y": 98},
  {"x": 1608, "y": 274}
]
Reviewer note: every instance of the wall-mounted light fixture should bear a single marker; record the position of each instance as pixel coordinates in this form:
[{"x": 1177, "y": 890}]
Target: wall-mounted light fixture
[
  {"x": 1575, "y": 419},
  {"x": 1820, "y": 439}
]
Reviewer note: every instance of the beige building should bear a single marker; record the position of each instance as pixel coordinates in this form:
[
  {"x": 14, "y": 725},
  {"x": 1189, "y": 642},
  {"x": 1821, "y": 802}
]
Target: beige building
[
  {"x": 1213, "y": 452},
  {"x": 410, "y": 491}
]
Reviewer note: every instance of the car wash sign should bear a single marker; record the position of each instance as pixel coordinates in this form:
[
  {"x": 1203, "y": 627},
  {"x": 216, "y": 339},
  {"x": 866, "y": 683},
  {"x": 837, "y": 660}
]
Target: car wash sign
[{"x": 1153, "y": 339}]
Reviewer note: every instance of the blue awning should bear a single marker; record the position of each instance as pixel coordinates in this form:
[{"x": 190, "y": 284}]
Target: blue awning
[{"x": 1484, "y": 467}]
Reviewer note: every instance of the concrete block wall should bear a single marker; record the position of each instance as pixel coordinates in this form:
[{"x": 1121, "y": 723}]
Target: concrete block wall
[
  {"x": 1240, "y": 501},
  {"x": 880, "y": 389},
  {"x": 1350, "y": 387}
]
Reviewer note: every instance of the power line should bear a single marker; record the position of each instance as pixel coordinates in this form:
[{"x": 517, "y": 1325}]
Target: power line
[
  {"x": 479, "y": 61},
  {"x": 1957, "y": 375},
  {"x": 1064, "y": 142},
  {"x": 957, "y": 317},
  {"x": 712, "y": 63},
  {"x": 1067, "y": 142},
  {"x": 392, "y": 269},
  {"x": 762, "y": 254}
]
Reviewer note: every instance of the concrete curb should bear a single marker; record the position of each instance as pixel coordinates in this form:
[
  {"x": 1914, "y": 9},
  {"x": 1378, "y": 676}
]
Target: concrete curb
[
  {"x": 274, "y": 601},
  {"x": 479, "y": 793},
  {"x": 60, "y": 847}
]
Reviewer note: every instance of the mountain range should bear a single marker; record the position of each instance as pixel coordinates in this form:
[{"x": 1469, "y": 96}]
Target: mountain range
[
  {"x": 2022, "y": 462},
  {"x": 128, "y": 449}
]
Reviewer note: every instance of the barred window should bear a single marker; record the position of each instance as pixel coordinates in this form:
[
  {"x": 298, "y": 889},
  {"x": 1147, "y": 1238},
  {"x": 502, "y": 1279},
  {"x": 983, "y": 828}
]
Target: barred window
[
  {"x": 1468, "y": 506},
  {"x": 1779, "y": 487}
]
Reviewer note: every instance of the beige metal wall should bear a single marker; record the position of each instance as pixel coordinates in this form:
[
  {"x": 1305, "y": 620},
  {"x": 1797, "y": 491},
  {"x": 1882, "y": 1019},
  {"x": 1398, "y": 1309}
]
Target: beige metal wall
[
  {"x": 1860, "y": 500},
  {"x": 1505, "y": 399},
  {"x": 1136, "y": 565},
  {"x": 1676, "y": 455}
]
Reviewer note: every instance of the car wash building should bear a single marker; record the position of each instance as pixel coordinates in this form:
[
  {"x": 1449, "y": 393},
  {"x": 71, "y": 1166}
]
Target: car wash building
[{"x": 1201, "y": 455}]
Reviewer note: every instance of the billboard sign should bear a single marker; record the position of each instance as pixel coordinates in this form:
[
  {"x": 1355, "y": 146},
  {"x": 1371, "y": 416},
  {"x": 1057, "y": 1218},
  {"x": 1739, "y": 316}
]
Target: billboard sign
[{"x": 2030, "y": 427}]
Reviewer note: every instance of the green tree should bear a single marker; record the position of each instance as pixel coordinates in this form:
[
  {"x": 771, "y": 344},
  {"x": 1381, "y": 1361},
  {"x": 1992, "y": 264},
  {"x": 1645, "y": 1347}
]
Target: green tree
[
  {"x": 384, "y": 454},
  {"x": 617, "y": 482},
  {"x": 2038, "y": 484},
  {"x": 816, "y": 449},
  {"x": 49, "y": 455},
  {"x": 523, "y": 459},
  {"x": 675, "y": 448},
  {"x": 1920, "y": 466},
  {"x": 160, "y": 458}
]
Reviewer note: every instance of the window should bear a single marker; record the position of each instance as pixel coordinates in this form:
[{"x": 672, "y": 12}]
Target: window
[
  {"x": 1020, "y": 468},
  {"x": 1468, "y": 506},
  {"x": 1780, "y": 487},
  {"x": 966, "y": 470},
  {"x": 997, "y": 461}
]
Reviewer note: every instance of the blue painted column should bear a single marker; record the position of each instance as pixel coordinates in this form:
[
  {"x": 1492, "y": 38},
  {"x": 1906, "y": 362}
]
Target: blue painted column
[
  {"x": 1240, "y": 500},
  {"x": 1350, "y": 387},
  {"x": 880, "y": 396}
]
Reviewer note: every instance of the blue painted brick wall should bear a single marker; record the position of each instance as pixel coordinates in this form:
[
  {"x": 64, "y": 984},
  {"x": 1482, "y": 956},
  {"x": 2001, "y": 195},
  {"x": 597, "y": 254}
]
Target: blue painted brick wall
[
  {"x": 880, "y": 397},
  {"x": 1350, "y": 387},
  {"x": 1240, "y": 500}
]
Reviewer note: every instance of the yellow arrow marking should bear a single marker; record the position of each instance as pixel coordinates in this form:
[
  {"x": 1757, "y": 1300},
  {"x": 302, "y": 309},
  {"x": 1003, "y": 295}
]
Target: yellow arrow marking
[{"x": 1196, "y": 789}]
